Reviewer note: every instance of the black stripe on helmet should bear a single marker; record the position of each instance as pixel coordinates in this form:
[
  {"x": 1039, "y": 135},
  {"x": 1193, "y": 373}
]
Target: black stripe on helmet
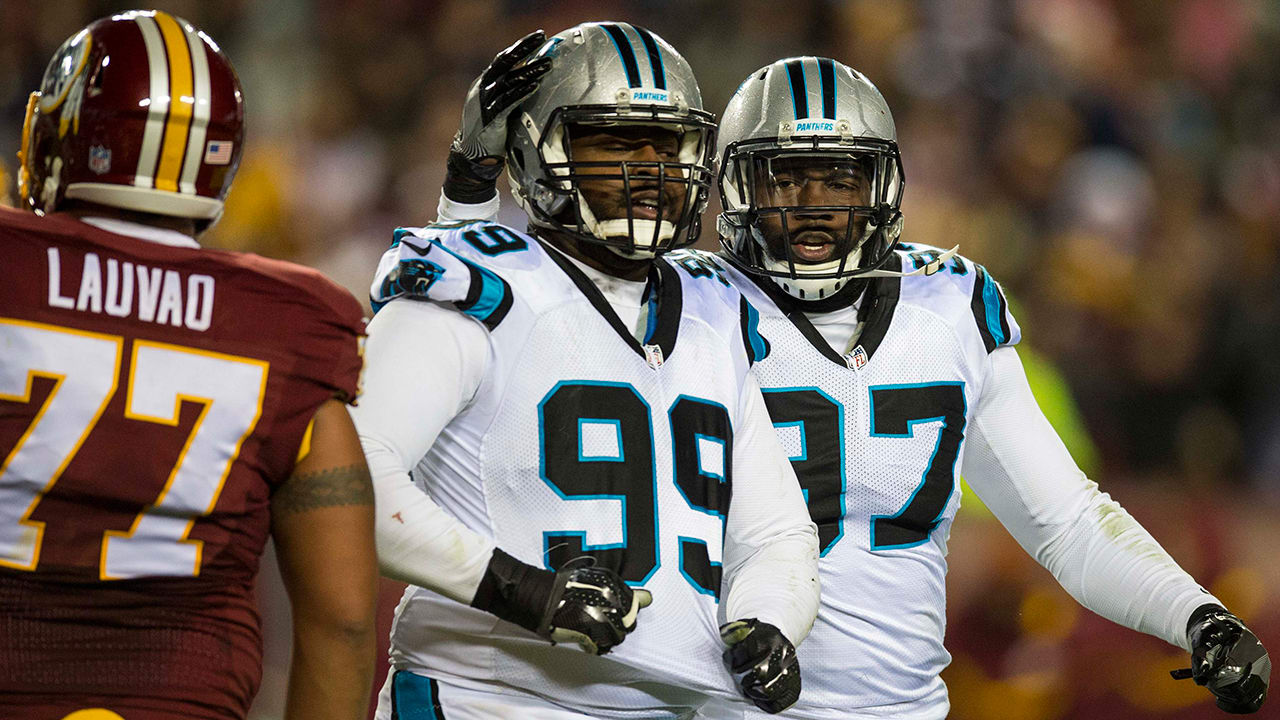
[
  {"x": 623, "y": 45},
  {"x": 655, "y": 57},
  {"x": 799, "y": 91},
  {"x": 827, "y": 69}
]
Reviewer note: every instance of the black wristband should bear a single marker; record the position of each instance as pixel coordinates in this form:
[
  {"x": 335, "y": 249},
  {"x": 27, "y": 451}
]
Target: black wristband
[
  {"x": 514, "y": 591},
  {"x": 1202, "y": 612},
  {"x": 471, "y": 181}
]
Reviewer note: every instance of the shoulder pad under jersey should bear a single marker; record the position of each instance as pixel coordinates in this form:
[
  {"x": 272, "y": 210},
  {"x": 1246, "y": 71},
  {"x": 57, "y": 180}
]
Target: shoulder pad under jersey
[
  {"x": 456, "y": 263},
  {"x": 970, "y": 283}
]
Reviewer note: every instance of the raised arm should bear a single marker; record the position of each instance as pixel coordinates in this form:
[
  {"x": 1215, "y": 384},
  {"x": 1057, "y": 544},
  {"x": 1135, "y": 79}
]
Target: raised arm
[{"x": 322, "y": 521}]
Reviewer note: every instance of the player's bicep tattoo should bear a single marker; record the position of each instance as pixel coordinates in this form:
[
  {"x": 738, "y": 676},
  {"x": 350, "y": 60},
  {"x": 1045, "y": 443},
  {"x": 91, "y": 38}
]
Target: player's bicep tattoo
[{"x": 332, "y": 487}]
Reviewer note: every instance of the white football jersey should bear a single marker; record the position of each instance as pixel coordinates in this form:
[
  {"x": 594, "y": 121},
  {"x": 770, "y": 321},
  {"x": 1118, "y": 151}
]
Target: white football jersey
[
  {"x": 582, "y": 440},
  {"x": 877, "y": 437}
]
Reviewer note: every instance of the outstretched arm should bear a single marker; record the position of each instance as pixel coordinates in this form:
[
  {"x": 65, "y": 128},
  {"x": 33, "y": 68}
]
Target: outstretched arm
[
  {"x": 1097, "y": 551},
  {"x": 322, "y": 521}
]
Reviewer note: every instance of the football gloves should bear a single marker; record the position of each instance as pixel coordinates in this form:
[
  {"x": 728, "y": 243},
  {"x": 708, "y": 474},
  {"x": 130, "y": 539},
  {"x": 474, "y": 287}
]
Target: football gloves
[
  {"x": 764, "y": 663},
  {"x": 476, "y": 155},
  {"x": 580, "y": 603},
  {"x": 1227, "y": 658}
]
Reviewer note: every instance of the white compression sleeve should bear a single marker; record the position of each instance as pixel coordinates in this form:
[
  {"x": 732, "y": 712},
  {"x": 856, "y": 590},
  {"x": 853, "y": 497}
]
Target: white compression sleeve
[
  {"x": 423, "y": 363},
  {"x": 1019, "y": 467},
  {"x": 448, "y": 211},
  {"x": 771, "y": 545}
]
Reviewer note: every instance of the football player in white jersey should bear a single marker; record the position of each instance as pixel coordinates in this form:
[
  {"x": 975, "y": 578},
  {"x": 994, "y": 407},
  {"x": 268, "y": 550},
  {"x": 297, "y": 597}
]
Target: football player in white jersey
[
  {"x": 567, "y": 430},
  {"x": 891, "y": 370}
]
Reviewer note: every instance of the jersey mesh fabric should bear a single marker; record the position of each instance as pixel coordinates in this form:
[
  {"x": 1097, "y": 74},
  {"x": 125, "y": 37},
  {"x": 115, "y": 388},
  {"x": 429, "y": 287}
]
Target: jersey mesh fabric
[
  {"x": 485, "y": 468},
  {"x": 876, "y": 649}
]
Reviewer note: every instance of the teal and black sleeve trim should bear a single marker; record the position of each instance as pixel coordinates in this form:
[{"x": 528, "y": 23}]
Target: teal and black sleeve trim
[
  {"x": 415, "y": 697},
  {"x": 655, "y": 57},
  {"x": 990, "y": 310},
  {"x": 799, "y": 91},
  {"x": 757, "y": 346},
  {"x": 488, "y": 297},
  {"x": 827, "y": 71},
  {"x": 625, "y": 52}
]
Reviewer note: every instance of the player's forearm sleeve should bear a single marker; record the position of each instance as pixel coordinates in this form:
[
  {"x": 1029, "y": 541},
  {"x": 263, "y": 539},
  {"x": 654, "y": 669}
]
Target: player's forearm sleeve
[
  {"x": 1019, "y": 467},
  {"x": 423, "y": 363},
  {"x": 771, "y": 545},
  {"x": 449, "y": 211}
]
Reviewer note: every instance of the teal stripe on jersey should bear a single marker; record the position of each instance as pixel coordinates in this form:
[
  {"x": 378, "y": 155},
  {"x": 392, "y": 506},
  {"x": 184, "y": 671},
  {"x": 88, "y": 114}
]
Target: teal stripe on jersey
[
  {"x": 414, "y": 697},
  {"x": 995, "y": 308}
]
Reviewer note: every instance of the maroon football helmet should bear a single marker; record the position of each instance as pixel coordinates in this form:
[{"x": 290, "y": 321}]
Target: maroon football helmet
[{"x": 139, "y": 111}]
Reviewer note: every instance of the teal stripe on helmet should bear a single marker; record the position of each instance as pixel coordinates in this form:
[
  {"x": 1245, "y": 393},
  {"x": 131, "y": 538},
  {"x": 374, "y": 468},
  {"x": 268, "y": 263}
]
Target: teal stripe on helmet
[
  {"x": 799, "y": 90},
  {"x": 625, "y": 52}
]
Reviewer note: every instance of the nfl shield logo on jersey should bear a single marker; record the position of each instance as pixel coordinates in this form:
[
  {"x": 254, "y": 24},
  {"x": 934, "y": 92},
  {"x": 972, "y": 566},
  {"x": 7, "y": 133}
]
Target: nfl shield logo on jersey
[
  {"x": 99, "y": 159},
  {"x": 653, "y": 356},
  {"x": 856, "y": 359}
]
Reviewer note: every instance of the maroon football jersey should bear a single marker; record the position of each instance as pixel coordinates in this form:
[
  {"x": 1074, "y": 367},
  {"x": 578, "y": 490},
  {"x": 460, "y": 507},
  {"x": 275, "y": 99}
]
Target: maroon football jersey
[{"x": 152, "y": 397}]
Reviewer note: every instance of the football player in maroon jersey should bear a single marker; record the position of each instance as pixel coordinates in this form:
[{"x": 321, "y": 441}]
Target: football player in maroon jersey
[{"x": 163, "y": 408}]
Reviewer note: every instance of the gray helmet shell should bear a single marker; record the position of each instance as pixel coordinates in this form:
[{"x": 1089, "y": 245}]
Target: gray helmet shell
[
  {"x": 808, "y": 106},
  {"x": 610, "y": 73}
]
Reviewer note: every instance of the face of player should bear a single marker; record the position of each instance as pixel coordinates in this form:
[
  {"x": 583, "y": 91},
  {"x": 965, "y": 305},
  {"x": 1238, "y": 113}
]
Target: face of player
[
  {"x": 609, "y": 197},
  {"x": 823, "y": 182}
]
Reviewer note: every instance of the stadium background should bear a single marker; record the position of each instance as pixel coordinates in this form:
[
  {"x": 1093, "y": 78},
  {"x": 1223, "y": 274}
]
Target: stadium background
[{"x": 1116, "y": 164}]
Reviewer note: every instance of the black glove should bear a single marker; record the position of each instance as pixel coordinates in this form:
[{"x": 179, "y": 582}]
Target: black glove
[
  {"x": 764, "y": 662},
  {"x": 1227, "y": 658},
  {"x": 476, "y": 155},
  {"x": 581, "y": 603}
]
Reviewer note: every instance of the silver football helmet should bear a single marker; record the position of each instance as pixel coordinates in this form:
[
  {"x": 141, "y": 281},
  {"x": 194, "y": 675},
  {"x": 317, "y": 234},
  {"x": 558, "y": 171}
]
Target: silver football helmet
[
  {"x": 610, "y": 74},
  {"x": 801, "y": 120}
]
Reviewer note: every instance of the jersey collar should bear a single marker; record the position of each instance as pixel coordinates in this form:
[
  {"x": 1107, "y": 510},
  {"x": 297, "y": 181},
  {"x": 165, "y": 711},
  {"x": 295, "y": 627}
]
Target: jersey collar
[
  {"x": 665, "y": 304},
  {"x": 878, "y": 303}
]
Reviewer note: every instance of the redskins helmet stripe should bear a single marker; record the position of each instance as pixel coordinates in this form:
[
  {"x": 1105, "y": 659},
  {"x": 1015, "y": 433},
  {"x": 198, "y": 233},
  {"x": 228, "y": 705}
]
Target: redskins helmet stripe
[
  {"x": 203, "y": 106},
  {"x": 158, "y": 109},
  {"x": 182, "y": 97},
  {"x": 179, "y": 111}
]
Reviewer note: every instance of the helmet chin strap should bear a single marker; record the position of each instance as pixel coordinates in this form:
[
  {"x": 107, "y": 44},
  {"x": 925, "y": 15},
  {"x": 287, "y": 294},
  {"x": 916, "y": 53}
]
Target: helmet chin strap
[
  {"x": 645, "y": 234},
  {"x": 927, "y": 269}
]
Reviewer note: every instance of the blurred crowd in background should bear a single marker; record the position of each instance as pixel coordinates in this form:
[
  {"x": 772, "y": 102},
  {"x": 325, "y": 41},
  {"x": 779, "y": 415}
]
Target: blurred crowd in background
[{"x": 1114, "y": 163}]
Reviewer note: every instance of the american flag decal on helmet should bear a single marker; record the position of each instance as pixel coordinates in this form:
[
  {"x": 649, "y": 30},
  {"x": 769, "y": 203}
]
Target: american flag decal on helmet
[{"x": 218, "y": 152}]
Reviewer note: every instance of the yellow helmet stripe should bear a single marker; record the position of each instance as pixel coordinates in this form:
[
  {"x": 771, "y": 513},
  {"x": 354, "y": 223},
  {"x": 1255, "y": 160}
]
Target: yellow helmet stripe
[
  {"x": 158, "y": 110},
  {"x": 181, "y": 102},
  {"x": 203, "y": 109}
]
